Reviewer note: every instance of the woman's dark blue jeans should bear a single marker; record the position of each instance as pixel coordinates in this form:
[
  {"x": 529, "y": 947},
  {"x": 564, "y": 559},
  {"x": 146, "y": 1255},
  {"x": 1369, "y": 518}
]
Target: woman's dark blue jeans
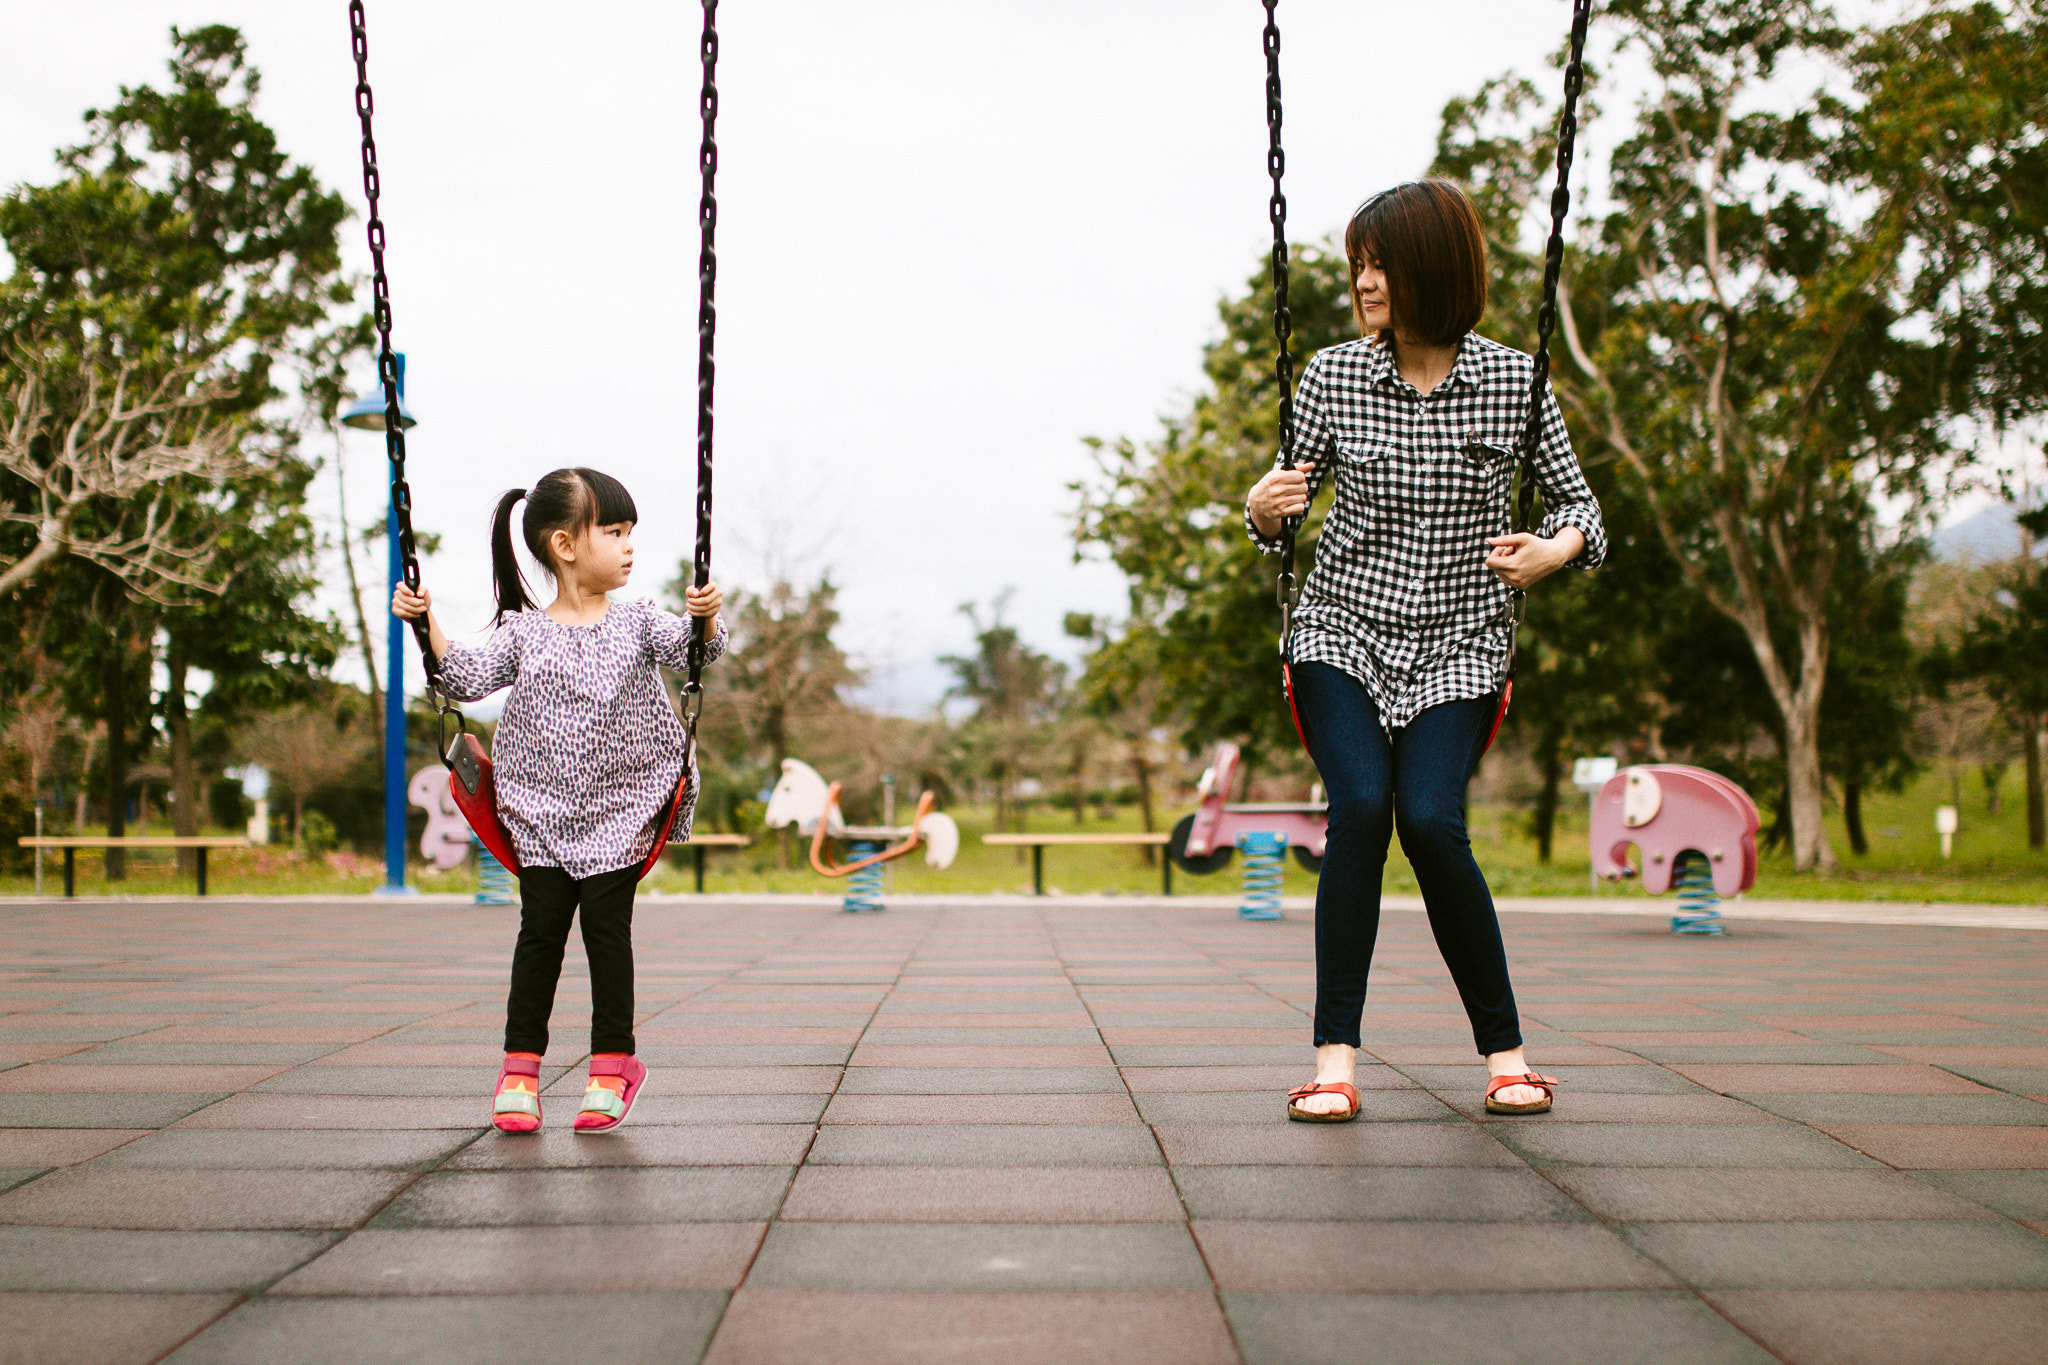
[{"x": 1415, "y": 783}]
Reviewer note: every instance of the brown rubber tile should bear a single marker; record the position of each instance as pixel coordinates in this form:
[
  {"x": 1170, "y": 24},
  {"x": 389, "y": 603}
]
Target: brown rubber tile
[
  {"x": 1440, "y": 1194},
  {"x": 803, "y": 1327},
  {"x": 100, "y": 1329},
  {"x": 1875, "y": 1080},
  {"x": 942, "y": 1055},
  {"x": 1898, "y": 1327},
  {"x": 981, "y": 1109},
  {"x": 540, "y": 1260},
  {"x": 1723, "y": 1195},
  {"x": 1276, "y": 1079},
  {"x": 559, "y": 1198},
  {"x": 250, "y": 1110},
  {"x": 973, "y": 1257},
  {"x": 170, "y": 1199},
  {"x": 1421, "y": 1258},
  {"x": 1358, "y": 1143},
  {"x": 560, "y": 1146},
  {"x": 1978, "y": 1253},
  {"x": 61, "y": 1146},
  {"x": 1962, "y": 1146},
  {"x": 956, "y": 1194},
  {"x": 74, "y": 1078},
  {"x": 468, "y": 1329}
]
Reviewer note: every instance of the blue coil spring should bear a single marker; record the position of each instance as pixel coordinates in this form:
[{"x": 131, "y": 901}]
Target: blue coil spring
[
  {"x": 1698, "y": 903},
  {"x": 1265, "y": 861},
  {"x": 863, "y": 888},
  {"x": 493, "y": 878}
]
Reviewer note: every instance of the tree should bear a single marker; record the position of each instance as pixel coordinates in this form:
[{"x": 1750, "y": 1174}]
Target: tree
[
  {"x": 1121, "y": 690},
  {"x": 309, "y": 745},
  {"x": 162, "y": 293},
  {"x": 1170, "y": 515},
  {"x": 1015, "y": 691},
  {"x": 2006, "y": 650},
  {"x": 1738, "y": 344}
]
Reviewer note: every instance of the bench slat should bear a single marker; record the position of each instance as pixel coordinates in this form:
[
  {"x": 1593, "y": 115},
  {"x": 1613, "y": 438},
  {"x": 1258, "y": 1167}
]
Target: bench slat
[
  {"x": 1027, "y": 839},
  {"x": 136, "y": 841}
]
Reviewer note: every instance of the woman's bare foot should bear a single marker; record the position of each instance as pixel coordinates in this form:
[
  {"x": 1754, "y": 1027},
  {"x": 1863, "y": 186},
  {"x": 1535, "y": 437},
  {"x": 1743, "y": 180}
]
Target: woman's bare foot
[
  {"x": 1334, "y": 1062},
  {"x": 1512, "y": 1063}
]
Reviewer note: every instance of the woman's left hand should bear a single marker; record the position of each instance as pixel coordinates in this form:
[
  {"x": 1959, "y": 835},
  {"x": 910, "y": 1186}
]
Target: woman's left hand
[
  {"x": 1521, "y": 560},
  {"x": 704, "y": 601}
]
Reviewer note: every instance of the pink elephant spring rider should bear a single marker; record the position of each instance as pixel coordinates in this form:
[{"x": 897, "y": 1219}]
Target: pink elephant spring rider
[{"x": 1693, "y": 827}]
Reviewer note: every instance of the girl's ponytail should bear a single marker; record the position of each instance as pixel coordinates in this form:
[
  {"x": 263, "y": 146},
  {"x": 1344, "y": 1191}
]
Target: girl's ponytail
[{"x": 505, "y": 575}]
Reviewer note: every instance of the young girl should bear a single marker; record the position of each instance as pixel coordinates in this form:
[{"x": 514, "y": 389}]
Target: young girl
[
  {"x": 587, "y": 755},
  {"x": 1399, "y": 642}
]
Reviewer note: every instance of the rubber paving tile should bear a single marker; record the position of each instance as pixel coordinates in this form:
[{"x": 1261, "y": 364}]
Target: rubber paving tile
[{"x": 1022, "y": 1130}]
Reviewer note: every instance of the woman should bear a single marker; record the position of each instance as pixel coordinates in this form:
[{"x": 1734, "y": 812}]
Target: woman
[{"x": 1400, "y": 641}]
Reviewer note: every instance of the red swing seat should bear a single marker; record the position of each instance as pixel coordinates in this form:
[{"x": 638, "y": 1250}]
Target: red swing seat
[{"x": 475, "y": 789}]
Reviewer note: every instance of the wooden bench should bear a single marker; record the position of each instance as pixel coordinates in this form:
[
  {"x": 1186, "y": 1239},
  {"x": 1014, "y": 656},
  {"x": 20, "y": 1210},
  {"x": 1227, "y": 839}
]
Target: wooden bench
[
  {"x": 697, "y": 843},
  {"x": 71, "y": 846},
  {"x": 1037, "y": 843}
]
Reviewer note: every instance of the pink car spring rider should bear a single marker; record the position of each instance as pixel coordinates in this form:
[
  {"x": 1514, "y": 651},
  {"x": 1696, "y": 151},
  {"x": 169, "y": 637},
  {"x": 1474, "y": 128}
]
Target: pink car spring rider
[
  {"x": 1694, "y": 828},
  {"x": 1263, "y": 831}
]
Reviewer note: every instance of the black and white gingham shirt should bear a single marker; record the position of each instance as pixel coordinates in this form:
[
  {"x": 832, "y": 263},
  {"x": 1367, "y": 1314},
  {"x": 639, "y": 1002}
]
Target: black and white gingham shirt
[{"x": 1401, "y": 598}]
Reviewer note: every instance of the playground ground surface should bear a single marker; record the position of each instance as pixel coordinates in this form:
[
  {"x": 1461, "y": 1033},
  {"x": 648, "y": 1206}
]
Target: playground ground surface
[{"x": 250, "y": 1130}]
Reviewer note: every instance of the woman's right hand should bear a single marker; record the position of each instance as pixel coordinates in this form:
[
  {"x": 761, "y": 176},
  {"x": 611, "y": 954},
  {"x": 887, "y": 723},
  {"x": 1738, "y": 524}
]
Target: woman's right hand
[
  {"x": 409, "y": 605},
  {"x": 1282, "y": 493}
]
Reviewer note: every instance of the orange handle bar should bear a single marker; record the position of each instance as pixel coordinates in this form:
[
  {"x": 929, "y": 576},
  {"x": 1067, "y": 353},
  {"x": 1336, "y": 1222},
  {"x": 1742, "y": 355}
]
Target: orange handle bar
[{"x": 925, "y": 802}]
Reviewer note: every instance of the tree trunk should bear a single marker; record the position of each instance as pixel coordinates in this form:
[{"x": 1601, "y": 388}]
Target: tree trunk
[
  {"x": 355, "y": 597},
  {"x": 184, "y": 778},
  {"x": 1852, "y": 816},
  {"x": 298, "y": 823},
  {"x": 114, "y": 681},
  {"x": 1550, "y": 758},
  {"x": 2037, "y": 807},
  {"x": 1144, "y": 772},
  {"x": 1805, "y": 794}
]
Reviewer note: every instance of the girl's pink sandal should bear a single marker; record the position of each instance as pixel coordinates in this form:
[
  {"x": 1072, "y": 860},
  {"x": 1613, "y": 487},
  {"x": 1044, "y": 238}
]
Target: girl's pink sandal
[
  {"x": 604, "y": 1109},
  {"x": 517, "y": 1107}
]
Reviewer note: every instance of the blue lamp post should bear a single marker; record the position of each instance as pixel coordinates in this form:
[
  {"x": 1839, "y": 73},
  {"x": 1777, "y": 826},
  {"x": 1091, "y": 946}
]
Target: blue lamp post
[{"x": 367, "y": 414}]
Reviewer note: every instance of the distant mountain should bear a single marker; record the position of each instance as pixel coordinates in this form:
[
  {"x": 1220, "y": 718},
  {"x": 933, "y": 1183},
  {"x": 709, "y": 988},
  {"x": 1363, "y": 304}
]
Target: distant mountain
[{"x": 1985, "y": 535}]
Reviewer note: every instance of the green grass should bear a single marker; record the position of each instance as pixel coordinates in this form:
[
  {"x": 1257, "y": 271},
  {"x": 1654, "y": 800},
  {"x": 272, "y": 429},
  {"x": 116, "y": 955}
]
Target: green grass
[{"x": 1992, "y": 862}]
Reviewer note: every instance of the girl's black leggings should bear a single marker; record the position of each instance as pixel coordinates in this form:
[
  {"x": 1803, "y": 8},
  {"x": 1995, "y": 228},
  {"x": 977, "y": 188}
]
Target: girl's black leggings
[
  {"x": 549, "y": 899},
  {"x": 1414, "y": 782}
]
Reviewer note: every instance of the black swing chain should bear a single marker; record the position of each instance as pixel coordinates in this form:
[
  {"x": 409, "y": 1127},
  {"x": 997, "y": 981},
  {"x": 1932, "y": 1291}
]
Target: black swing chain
[
  {"x": 387, "y": 374},
  {"x": 707, "y": 326},
  {"x": 1546, "y": 315},
  {"x": 1283, "y": 321}
]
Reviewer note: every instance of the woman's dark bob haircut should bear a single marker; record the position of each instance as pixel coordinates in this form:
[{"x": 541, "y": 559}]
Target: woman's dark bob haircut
[{"x": 1425, "y": 236}]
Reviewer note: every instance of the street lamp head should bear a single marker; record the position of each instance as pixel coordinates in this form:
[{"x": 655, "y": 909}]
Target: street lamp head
[{"x": 367, "y": 412}]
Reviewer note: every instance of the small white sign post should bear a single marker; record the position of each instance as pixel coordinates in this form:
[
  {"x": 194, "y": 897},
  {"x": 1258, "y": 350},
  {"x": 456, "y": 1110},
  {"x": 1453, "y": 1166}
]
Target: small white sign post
[
  {"x": 1589, "y": 775},
  {"x": 1945, "y": 826}
]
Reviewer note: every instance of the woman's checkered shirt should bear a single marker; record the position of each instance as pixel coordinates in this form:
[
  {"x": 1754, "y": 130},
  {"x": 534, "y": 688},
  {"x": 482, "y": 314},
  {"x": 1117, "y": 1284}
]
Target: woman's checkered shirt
[{"x": 1401, "y": 598}]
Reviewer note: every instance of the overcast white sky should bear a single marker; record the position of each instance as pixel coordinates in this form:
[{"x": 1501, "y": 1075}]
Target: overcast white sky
[{"x": 956, "y": 236}]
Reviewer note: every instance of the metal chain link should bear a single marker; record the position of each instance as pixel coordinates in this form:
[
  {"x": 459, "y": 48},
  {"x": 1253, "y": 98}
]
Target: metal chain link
[
  {"x": 1283, "y": 320},
  {"x": 1546, "y": 315},
  {"x": 387, "y": 360},
  {"x": 707, "y": 326},
  {"x": 1553, "y": 260}
]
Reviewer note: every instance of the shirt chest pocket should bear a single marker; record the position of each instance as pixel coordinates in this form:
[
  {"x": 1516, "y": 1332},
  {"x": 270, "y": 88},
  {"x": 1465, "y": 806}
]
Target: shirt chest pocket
[
  {"x": 1375, "y": 479},
  {"x": 1476, "y": 472}
]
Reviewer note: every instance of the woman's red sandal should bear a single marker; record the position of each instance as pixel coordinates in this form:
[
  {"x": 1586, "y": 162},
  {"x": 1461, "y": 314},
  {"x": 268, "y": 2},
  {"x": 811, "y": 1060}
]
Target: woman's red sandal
[
  {"x": 1344, "y": 1088},
  {"x": 1542, "y": 1106}
]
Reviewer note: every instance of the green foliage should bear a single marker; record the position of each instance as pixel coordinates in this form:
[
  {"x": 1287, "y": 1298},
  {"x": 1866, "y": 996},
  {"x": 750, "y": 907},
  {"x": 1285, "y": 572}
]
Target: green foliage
[
  {"x": 1203, "y": 621},
  {"x": 317, "y": 834}
]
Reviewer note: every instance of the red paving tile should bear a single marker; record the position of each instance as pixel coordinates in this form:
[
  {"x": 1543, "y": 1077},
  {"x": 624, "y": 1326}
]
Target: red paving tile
[
  {"x": 420, "y": 987},
  {"x": 1897, "y": 1327},
  {"x": 803, "y": 1327},
  {"x": 101, "y": 1329},
  {"x": 1946, "y": 1147},
  {"x": 958, "y": 1194}
]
